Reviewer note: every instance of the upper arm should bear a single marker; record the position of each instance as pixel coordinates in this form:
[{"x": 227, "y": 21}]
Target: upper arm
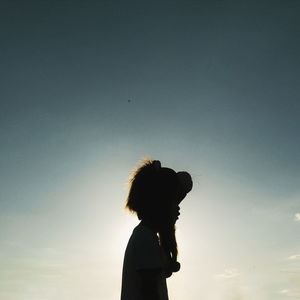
[
  {"x": 148, "y": 264},
  {"x": 147, "y": 253}
]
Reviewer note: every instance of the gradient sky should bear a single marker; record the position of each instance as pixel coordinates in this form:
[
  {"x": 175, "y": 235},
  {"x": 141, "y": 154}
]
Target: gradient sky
[{"x": 89, "y": 88}]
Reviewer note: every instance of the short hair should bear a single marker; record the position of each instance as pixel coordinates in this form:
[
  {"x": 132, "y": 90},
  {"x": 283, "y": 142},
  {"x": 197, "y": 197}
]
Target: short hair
[{"x": 153, "y": 189}]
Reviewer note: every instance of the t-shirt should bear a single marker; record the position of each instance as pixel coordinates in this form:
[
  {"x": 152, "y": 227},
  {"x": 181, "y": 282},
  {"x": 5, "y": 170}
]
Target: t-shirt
[{"x": 143, "y": 251}]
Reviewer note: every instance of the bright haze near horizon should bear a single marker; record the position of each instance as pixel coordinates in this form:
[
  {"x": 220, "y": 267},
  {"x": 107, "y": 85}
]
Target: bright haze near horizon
[{"x": 89, "y": 88}]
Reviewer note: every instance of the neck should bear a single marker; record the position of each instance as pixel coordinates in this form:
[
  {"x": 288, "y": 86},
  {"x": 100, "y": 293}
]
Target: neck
[{"x": 149, "y": 224}]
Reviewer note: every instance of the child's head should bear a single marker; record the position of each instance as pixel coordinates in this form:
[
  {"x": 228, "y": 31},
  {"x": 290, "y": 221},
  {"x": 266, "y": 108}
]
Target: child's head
[{"x": 155, "y": 191}]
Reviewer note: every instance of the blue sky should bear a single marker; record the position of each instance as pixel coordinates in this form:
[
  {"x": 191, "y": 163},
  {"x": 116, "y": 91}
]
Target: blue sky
[{"x": 213, "y": 89}]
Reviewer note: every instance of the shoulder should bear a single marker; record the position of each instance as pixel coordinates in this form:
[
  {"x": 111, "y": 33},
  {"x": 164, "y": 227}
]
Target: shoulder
[
  {"x": 145, "y": 248},
  {"x": 143, "y": 233}
]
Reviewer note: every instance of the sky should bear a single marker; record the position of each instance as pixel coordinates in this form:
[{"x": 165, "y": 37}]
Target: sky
[{"x": 89, "y": 88}]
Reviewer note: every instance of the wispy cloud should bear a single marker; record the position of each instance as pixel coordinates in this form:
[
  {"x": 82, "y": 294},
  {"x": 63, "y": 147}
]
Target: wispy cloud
[
  {"x": 229, "y": 273},
  {"x": 284, "y": 291},
  {"x": 290, "y": 292},
  {"x": 297, "y": 217},
  {"x": 296, "y": 256}
]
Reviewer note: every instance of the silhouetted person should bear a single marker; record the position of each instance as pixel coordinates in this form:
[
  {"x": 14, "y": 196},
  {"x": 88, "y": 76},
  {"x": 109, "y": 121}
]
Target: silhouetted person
[{"x": 151, "y": 253}]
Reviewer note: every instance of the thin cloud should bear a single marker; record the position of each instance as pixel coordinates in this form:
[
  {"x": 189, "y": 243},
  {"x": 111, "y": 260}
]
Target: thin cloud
[
  {"x": 290, "y": 292},
  {"x": 228, "y": 274},
  {"x": 284, "y": 291},
  {"x": 296, "y": 256},
  {"x": 297, "y": 217}
]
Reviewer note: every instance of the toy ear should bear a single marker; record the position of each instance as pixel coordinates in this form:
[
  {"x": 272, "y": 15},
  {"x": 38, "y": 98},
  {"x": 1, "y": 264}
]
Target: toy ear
[
  {"x": 185, "y": 181},
  {"x": 157, "y": 165}
]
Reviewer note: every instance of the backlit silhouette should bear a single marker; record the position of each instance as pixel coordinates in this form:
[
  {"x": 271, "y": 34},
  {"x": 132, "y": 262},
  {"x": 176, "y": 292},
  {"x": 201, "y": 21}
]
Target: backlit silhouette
[{"x": 151, "y": 254}]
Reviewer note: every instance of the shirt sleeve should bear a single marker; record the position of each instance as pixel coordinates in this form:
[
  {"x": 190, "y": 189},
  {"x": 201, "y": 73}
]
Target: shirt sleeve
[{"x": 148, "y": 253}]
